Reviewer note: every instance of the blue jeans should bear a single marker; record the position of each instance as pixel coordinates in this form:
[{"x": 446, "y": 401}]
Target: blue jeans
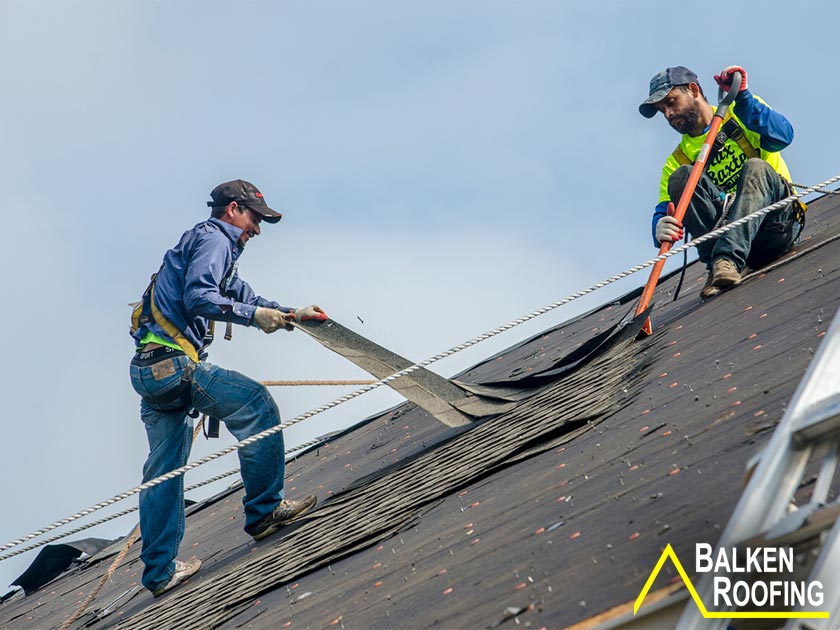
[
  {"x": 246, "y": 408},
  {"x": 755, "y": 243}
]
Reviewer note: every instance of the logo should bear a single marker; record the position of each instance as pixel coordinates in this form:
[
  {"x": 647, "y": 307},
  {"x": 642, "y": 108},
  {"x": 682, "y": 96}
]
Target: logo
[{"x": 745, "y": 593}]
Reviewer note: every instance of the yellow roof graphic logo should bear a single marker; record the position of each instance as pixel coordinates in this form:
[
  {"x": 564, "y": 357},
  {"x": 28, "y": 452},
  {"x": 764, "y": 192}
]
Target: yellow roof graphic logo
[{"x": 668, "y": 552}]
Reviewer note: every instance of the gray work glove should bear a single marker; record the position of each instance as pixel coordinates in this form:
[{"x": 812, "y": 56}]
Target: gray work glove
[
  {"x": 270, "y": 319},
  {"x": 310, "y": 313},
  {"x": 668, "y": 229}
]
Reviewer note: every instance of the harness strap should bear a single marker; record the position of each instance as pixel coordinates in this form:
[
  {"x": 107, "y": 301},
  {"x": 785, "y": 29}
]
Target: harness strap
[
  {"x": 680, "y": 156},
  {"x": 170, "y": 328},
  {"x": 138, "y": 319},
  {"x": 212, "y": 428},
  {"x": 731, "y": 130}
]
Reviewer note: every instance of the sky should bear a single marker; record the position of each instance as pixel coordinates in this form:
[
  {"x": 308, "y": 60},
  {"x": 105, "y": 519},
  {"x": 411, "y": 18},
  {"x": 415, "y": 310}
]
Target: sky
[{"x": 443, "y": 168}]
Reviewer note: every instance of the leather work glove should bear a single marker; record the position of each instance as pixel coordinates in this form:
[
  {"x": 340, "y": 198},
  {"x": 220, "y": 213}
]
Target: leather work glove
[
  {"x": 724, "y": 79},
  {"x": 270, "y": 319},
  {"x": 668, "y": 229},
  {"x": 310, "y": 313}
]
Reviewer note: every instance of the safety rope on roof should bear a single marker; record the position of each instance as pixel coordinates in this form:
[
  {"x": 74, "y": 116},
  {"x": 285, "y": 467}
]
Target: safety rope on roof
[
  {"x": 315, "y": 383},
  {"x": 388, "y": 379},
  {"x": 116, "y": 515},
  {"x": 127, "y": 511},
  {"x": 819, "y": 190}
]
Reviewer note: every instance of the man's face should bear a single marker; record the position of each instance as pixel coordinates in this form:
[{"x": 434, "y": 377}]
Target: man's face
[
  {"x": 681, "y": 109},
  {"x": 246, "y": 220}
]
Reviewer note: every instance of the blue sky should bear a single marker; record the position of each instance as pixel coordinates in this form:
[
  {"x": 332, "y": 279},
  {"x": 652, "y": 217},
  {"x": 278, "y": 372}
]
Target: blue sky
[{"x": 443, "y": 167}]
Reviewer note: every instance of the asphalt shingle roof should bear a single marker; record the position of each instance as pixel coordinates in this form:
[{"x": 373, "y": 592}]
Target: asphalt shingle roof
[{"x": 551, "y": 513}]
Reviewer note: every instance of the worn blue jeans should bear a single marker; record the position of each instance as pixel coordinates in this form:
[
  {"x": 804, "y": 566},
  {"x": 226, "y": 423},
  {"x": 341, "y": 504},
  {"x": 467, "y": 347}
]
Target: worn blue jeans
[
  {"x": 755, "y": 243},
  {"x": 246, "y": 408}
]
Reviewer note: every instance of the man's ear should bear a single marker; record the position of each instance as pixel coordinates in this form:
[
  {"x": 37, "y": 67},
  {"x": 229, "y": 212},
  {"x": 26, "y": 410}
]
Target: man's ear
[
  {"x": 695, "y": 89},
  {"x": 231, "y": 209}
]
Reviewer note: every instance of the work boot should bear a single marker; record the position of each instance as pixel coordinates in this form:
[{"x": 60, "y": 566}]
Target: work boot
[
  {"x": 284, "y": 513},
  {"x": 725, "y": 274},
  {"x": 183, "y": 570},
  {"x": 708, "y": 290}
]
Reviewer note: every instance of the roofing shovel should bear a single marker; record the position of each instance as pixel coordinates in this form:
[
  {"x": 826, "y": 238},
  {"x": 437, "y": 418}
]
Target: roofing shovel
[{"x": 724, "y": 101}]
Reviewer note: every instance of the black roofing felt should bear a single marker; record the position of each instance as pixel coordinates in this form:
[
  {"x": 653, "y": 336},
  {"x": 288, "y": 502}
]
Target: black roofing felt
[{"x": 546, "y": 515}]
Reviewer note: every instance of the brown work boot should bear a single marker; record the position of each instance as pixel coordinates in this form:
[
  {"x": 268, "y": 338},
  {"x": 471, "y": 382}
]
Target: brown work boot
[
  {"x": 183, "y": 570},
  {"x": 708, "y": 290},
  {"x": 725, "y": 274},
  {"x": 284, "y": 513}
]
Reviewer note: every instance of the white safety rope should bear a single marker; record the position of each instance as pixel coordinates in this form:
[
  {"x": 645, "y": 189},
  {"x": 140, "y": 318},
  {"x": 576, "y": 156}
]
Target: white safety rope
[
  {"x": 126, "y": 511},
  {"x": 116, "y": 515},
  {"x": 388, "y": 379},
  {"x": 819, "y": 190}
]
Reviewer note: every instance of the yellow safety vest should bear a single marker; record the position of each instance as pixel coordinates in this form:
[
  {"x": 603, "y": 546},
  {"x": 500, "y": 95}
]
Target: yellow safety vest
[{"x": 724, "y": 167}]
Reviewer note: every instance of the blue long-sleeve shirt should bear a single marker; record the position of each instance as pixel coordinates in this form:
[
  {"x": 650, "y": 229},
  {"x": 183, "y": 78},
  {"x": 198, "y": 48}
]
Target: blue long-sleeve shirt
[
  {"x": 764, "y": 126},
  {"x": 775, "y": 130},
  {"x": 198, "y": 282}
]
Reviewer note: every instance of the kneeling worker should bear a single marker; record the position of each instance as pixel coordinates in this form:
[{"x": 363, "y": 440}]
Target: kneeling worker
[{"x": 745, "y": 160}]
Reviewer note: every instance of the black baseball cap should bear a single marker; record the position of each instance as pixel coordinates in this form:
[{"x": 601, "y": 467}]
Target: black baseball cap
[
  {"x": 246, "y": 194},
  {"x": 662, "y": 83}
]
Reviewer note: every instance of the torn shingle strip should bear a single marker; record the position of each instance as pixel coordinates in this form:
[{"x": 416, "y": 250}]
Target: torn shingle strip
[{"x": 437, "y": 395}]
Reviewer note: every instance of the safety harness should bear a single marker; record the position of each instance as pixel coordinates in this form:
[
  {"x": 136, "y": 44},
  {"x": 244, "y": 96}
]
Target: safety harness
[
  {"x": 731, "y": 130},
  {"x": 140, "y": 316},
  {"x": 146, "y": 311}
]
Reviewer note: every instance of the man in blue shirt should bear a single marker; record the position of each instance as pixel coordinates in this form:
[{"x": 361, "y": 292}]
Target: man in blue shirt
[
  {"x": 197, "y": 285},
  {"x": 746, "y": 161}
]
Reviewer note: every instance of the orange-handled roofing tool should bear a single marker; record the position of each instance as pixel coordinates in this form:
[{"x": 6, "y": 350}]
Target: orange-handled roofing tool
[{"x": 724, "y": 101}]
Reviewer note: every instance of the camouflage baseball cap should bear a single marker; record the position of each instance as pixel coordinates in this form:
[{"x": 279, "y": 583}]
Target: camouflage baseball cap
[
  {"x": 662, "y": 83},
  {"x": 246, "y": 194}
]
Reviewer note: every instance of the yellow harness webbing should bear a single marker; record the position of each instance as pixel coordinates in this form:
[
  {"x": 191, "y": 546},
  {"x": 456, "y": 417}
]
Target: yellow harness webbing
[
  {"x": 170, "y": 329},
  {"x": 732, "y": 131},
  {"x": 160, "y": 320}
]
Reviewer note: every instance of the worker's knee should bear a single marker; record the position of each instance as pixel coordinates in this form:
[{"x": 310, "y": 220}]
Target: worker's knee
[{"x": 758, "y": 177}]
